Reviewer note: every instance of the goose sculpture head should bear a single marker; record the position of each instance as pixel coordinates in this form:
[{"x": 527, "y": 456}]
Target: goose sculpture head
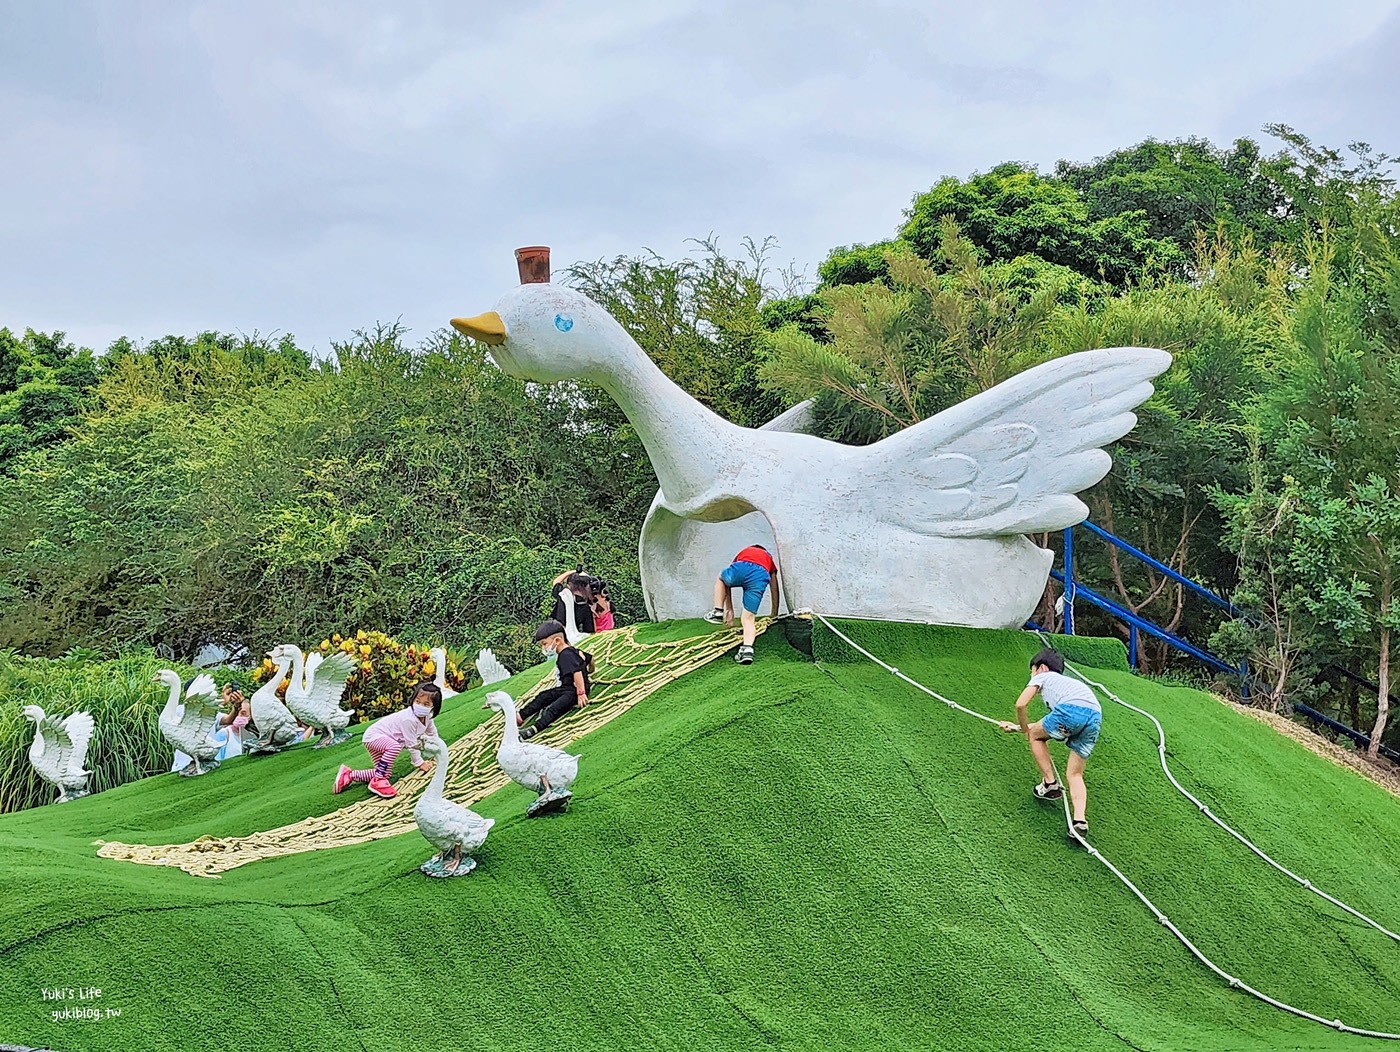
[{"x": 929, "y": 524}]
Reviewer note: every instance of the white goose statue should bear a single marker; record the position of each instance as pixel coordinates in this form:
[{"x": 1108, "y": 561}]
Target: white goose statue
[
  {"x": 572, "y": 633},
  {"x": 188, "y": 723},
  {"x": 60, "y": 750},
  {"x": 541, "y": 768},
  {"x": 489, "y": 668},
  {"x": 451, "y": 828},
  {"x": 439, "y": 656},
  {"x": 314, "y": 693},
  {"x": 277, "y": 727},
  {"x": 926, "y": 525}
]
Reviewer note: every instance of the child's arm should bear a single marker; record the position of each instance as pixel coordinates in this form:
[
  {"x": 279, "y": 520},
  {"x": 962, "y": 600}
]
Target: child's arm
[
  {"x": 580, "y": 689},
  {"x": 560, "y": 579},
  {"x": 775, "y": 595},
  {"x": 1022, "y": 723}
]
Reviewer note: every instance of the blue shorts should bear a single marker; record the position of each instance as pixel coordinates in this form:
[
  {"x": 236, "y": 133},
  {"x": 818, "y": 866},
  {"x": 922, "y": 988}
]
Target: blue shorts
[
  {"x": 1075, "y": 725},
  {"x": 751, "y": 577}
]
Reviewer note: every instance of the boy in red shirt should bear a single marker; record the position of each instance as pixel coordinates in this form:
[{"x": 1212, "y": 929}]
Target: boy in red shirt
[{"x": 752, "y": 570}]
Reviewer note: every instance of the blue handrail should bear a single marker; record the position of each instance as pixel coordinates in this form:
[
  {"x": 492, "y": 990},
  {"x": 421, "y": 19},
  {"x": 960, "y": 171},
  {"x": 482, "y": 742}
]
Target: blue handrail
[
  {"x": 1162, "y": 567},
  {"x": 1136, "y": 622},
  {"x": 1360, "y": 738}
]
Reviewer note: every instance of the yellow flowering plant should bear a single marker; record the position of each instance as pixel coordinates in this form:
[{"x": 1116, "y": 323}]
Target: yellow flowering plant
[{"x": 386, "y": 674}]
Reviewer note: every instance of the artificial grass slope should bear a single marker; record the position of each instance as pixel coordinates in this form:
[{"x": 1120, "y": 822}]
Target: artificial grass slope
[{"x": 792, "y": 854}]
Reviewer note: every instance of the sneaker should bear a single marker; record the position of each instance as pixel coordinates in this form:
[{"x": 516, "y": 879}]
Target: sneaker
[
  {"x": 528, "y": 733},
  {"x": 744, "y": 656},
  {"x": 342, "y": 779},
  {"x": 381, "y": 787},
  {"x": 716, "y": 616},
  {"x": 1048, "y": 791}
]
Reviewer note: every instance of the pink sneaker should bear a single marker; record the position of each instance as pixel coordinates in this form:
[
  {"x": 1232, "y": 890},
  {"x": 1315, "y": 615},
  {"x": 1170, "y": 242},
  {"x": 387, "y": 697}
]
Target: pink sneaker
[
  {"x": 381, "y": 787},
  {"x": 342, "y": 778}
]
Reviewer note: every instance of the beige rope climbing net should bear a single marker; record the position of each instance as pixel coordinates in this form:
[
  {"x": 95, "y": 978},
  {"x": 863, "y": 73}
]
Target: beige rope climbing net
[{"x": 626, "y": 670}]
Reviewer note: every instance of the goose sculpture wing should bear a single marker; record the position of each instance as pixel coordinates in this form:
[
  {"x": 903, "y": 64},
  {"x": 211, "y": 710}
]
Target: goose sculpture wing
[
  {"x": 72, "y": 737},
  {"x": 490, "y": 668},
  {"x": 202, "y": 710},
  {"x": 313, "y": 662},
  {"x": 325, "y": 684},
  {"x": 1011, "y": 459}
]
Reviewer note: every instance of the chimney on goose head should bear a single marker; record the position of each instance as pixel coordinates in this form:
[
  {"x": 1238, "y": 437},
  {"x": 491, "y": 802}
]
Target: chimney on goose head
[{"x": 533, "y": 263}]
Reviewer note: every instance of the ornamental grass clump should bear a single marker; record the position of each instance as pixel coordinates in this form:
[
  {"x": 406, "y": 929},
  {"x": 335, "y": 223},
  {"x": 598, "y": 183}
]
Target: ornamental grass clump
[{"x": 385, "y": 674}]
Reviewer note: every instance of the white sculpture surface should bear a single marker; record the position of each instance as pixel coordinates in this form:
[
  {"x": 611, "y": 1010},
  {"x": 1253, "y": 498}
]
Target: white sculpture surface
[
  {"x": 189, "y": 724},
  {"x": 277, "y": 727},
  {"x": 573, "y": 635},
  {"x": 489, "y": 668},
  {"x": 454, "y": 830},
  {"x": 314, "y": 692},
  {"x": 60, "y": 750},
  {"x": 439, "y": 656},
  {"x": 926, "y": 525},
  {"x": 540, "y": 768}
]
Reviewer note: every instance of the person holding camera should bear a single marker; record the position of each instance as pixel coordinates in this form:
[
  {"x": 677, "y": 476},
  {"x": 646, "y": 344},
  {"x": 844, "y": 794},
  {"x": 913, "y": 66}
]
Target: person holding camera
[{"x": 576, "y": 586}]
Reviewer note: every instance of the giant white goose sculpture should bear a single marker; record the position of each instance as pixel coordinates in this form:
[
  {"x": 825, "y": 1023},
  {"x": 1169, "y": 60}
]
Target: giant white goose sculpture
[
  {"x": 927, "y": 524},
  {"x": 277, "y": 727},
  {"x": 188, "y": 723},
  {"x": 541, "y": 768},
  {"x": 451, "y": 828},
  {"x": 314, "y": 692},
  {"x": 60, "y": 750},
  {"x": 439, "y": 656}
]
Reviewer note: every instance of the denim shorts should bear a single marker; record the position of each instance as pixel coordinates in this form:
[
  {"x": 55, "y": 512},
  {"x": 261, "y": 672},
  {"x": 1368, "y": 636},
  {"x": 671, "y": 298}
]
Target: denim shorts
[
  {"x": 1075, "y": 725},
  {"x": 751, "y": 577}
]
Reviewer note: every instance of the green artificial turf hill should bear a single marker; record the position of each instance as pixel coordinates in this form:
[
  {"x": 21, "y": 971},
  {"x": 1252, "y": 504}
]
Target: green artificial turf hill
[{"x": 790, "y": 854}]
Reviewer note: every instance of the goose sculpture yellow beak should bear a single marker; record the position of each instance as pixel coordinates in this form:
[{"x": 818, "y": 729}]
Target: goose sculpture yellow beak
[{"x": 488, "y": 328}]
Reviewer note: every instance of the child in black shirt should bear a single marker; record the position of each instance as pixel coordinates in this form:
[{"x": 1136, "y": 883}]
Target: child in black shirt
[{"x": 571, "y": 683}]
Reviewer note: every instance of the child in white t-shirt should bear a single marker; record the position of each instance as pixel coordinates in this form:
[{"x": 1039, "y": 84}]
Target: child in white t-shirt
[{"x": 1075, "y": 718}]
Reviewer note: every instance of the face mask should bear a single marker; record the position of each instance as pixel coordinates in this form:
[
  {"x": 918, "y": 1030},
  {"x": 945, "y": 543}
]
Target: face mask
[
  {"x": 546, "y": 652},
  {"x": 422, "y": 710}
]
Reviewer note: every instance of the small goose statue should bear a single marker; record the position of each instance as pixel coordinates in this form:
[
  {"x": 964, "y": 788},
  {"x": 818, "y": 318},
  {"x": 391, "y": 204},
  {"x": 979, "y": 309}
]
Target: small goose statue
[
  {"x": 541, "y": 768},
  {"x": 451, "y": 828}
]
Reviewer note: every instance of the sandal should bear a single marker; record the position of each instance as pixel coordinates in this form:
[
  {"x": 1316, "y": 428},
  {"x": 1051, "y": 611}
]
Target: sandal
[{"x": 1048, "y": 791}]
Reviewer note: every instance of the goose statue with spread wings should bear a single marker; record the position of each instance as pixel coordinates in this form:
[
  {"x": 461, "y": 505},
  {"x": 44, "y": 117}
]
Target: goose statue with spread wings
[
  {"x": 59, "y": 750},
  {"x": 926, "y": 525}
]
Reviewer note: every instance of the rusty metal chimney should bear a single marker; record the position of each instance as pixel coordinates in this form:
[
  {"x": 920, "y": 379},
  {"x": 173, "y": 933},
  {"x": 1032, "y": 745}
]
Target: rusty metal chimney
[{"x": 533, "y": 263}]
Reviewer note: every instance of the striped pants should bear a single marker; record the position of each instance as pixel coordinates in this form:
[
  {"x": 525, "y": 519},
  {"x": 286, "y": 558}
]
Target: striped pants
[{"x": 383, "y": 753}]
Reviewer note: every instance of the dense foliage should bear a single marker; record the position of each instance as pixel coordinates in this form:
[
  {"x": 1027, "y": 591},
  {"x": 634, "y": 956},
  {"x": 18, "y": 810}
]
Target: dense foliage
[{"x": 234, "y": 491}]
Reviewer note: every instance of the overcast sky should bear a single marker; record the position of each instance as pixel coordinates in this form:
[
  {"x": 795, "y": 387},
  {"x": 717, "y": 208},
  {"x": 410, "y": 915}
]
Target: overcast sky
[{"x": 313, "y": 168}]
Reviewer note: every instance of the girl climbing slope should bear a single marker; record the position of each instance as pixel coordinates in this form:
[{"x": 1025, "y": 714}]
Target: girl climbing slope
[{"x": 390, "y": 735}]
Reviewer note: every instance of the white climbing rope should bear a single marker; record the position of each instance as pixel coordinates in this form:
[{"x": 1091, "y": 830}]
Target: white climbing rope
[
  {"x": 1234, "y": 982},
  {"x": 1205, "y": 810}
]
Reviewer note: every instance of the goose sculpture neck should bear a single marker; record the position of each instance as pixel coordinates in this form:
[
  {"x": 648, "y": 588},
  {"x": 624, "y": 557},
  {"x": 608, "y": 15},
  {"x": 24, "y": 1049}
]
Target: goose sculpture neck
[
  {"x": 673, "y": 426},
  {"x": 439, "y": 781}
]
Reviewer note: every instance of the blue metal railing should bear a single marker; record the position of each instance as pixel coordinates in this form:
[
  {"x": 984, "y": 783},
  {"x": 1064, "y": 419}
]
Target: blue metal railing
[
  {"x": 1074, "y": 589},
  {"x": 1361, "y": 739}
]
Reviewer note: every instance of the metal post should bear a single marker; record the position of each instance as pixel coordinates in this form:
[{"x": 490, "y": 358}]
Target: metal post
[
  {"x": 1069, "y": 580},
  {"x": 1132, "y": 646}
]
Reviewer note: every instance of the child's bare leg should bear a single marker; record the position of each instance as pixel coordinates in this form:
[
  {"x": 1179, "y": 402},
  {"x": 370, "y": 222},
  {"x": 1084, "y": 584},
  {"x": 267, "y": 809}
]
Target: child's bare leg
[
  {"x": 1040, "y": 750},
  {"x": 1074, "y": 779},
  {"x": 721, "y": 594},
  {"x": 750, "y": 628}
]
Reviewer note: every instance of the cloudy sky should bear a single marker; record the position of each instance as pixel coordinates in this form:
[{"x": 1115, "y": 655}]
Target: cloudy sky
[{"x": 313, "y": 168}]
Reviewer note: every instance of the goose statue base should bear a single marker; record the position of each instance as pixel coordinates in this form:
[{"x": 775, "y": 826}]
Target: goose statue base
[
  {"x": 264, "y": 748},
  {"x": 548, "y": 803},
  {"x": 197, "y": 767},
  {"x": 72, "y": 792},
  {"x": 333, "y": 738},
  {"x": 443, "y": 865}
]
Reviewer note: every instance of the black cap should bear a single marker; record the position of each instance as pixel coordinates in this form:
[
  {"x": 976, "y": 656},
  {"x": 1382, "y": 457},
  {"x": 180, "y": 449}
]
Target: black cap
[{"x": 547, "y": 629}]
